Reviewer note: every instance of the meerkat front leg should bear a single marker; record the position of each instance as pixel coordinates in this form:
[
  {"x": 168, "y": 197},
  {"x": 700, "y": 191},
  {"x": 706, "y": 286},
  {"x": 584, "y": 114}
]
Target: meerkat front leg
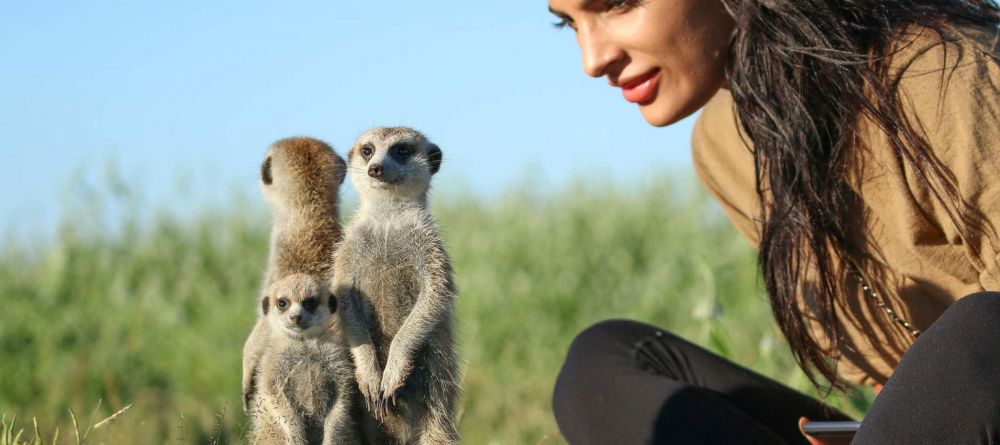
[
  {"x": 354, "y": 322},
  {"x": 433, "y": 304},
  {"x": 253, "y": 350}
]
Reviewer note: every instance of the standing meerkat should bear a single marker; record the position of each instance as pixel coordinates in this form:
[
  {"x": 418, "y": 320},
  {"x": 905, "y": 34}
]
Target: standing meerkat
[
  {"x": 393, "y": 279},
  {"x": 306, "y": 382},
  {"x": 300, "y": 179}
]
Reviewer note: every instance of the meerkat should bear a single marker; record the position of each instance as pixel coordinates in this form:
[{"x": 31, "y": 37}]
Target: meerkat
[
  {"x": 299, "y": 179},
  {"x": 306, "y": 382},
  {"x": 393, "y": 278}
]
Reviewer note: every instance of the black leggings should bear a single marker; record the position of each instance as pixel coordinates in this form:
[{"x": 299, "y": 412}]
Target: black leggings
[{"x": 625, "y": 382}]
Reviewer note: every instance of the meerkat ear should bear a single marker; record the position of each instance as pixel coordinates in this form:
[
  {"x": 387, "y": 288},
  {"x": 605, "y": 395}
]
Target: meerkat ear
[
  {"x": 265, "y": 172},
  {"x": 341, "y": 169},
  {"x": 265, "y": 304},
  {"x": 434, "y": 157},
  {"x": 332, "y": 303}
]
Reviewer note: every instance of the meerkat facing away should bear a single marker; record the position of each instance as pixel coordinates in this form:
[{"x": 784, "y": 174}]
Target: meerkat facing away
[
  {"x": 299, "y": 178},
  {"x": 393, "y": 278},
  {"x": 307, "y": 390}
]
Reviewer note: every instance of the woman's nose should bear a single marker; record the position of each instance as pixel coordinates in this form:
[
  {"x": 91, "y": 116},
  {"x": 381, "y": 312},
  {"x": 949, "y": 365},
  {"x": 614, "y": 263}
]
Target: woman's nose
[{"x": 598, "y": 51}]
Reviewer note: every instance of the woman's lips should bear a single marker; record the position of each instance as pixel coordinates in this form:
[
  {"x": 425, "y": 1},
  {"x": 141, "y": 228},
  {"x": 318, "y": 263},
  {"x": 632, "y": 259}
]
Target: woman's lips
[{"x": 643, "y": 88}]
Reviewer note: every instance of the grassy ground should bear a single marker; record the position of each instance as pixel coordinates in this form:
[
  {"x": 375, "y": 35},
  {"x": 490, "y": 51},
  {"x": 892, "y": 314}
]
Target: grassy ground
[{"x": 152, "y": 310}]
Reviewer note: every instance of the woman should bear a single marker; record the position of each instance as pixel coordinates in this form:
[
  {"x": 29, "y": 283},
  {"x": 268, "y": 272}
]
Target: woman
[{"x": 855, "y": 143}]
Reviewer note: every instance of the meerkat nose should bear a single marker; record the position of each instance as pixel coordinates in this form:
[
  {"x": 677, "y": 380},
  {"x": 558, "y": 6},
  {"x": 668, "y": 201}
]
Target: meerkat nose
[
  {"x": 375, "y": 171},
  {"x": 296, "y": 318}
]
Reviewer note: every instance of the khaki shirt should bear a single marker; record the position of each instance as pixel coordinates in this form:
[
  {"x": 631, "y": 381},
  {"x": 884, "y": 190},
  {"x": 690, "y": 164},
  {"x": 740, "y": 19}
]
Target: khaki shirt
[{"x": 950, "y": 92}]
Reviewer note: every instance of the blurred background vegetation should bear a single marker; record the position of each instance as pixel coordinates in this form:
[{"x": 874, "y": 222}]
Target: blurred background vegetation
[{"x": 130, "y": 304}]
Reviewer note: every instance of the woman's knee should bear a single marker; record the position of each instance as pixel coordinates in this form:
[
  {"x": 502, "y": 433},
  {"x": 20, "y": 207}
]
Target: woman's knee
[
  {"x": 965, "y": 340},
  {"x": 597, "y": 352},
  {"x": 980, "y": 306}
]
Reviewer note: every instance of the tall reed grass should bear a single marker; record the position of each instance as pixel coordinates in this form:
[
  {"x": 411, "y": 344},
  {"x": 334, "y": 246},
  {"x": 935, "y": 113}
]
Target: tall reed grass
[{"x": 150, "y": 308}]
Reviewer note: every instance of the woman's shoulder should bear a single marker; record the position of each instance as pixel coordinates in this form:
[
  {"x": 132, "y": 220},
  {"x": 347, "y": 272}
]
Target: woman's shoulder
[
  {"x": 924, "y": 47},
  {"x": 724, "y": 162},
  {"x": 927, "y": 63},
  {"x": 949, "y": 88}
]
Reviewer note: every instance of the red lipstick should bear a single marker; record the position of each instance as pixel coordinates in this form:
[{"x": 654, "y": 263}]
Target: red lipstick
[{"x": 642, "y": 88}]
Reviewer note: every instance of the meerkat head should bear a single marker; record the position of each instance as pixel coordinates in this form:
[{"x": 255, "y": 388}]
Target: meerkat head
[
  {"x": 296, "y": 170},
  {"x": 396, "y": 161},
  {"x": 300, "y": 305}
]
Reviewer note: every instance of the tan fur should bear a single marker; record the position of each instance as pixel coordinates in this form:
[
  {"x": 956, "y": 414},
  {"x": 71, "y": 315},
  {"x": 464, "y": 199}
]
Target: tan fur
[
  {"x": 299, "y": 179},
  {"x": 394, "y": 279},
  {"x": 306, "y": 391}
]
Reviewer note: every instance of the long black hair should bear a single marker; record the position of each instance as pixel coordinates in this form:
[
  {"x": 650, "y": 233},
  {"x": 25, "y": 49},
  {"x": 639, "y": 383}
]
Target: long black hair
[{"x": 803, "y": 73}]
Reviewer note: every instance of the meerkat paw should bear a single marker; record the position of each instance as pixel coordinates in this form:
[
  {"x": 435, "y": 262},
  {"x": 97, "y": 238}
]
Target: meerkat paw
[
  {"x": 368, "y": 384},
  {"x": 393, "y": 379}
]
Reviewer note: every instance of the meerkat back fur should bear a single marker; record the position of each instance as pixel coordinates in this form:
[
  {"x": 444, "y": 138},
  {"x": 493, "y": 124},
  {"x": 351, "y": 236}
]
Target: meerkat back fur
[
  {"x": 299, "y": 179},
  {"x": 394, "y": 279},
  {"x": 307, "y": 391}
]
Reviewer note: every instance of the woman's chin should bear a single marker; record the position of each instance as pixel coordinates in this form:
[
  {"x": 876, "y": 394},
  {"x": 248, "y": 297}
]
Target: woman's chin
[
  {"x": 659, "y": 114},
  {"x": 667, "y": 109}
]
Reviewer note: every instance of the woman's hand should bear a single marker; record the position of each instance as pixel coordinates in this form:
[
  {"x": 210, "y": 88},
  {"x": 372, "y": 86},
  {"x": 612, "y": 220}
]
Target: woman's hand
[
  {"x": 846, "y": 440},
  {"x": 831, "y": 440}
]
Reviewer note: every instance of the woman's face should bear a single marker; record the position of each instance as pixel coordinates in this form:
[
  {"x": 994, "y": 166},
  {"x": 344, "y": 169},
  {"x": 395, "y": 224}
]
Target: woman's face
[{"x": 667, "y": 56}]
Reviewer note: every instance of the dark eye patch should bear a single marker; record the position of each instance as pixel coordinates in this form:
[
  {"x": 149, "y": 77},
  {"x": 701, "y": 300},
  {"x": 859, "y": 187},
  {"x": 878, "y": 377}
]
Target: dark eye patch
[
  {"x": 265, "y": 172},
  {"x": 333, "y": 303},
  {"x": 401, "y": 152},
  {"x": 310, "y": 304}
]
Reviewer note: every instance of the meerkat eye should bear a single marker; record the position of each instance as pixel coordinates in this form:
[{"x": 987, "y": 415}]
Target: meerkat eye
[
  {"x": 282, "y": 303},
  {"x": 367, "y": 151},
  {"x": 310, "y": 304}
]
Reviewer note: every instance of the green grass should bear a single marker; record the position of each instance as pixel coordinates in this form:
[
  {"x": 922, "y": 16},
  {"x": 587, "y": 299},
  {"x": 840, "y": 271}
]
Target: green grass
[{"x": 150, "y": 309}]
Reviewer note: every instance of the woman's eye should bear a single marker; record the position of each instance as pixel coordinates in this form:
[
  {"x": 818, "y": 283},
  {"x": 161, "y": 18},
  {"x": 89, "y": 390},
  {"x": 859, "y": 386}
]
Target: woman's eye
[
  {"x": 611, "y": 5},
  {"x": 560, "y": 24}
]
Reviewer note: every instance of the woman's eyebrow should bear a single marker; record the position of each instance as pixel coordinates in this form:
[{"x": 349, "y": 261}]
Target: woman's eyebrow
[{"x": 584, "y": 4}]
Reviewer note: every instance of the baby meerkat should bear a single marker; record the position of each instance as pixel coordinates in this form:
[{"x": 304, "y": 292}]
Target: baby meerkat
[
  {"x": 299, "y": 178},
  {"x": 306, "y": 381},
  {"x": 393, "y": 279}
]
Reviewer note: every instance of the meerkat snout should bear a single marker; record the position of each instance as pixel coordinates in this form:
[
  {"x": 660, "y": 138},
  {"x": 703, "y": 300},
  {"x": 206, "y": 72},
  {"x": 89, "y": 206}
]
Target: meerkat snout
[{"x": 375, "y": 171}]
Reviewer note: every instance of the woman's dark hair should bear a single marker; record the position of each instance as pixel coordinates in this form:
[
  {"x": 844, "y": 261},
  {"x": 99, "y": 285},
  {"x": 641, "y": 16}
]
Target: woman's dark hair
[{"x": 803, "y": 73}]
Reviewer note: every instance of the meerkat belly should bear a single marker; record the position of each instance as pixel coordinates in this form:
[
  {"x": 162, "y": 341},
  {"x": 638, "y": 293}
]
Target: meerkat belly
[
  {"x": 311, "y": 383},
  {"x": 390, "y": 276}
]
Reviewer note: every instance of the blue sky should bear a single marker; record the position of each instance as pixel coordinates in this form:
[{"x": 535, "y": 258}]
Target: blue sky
[{"x": 186, "y": 95}]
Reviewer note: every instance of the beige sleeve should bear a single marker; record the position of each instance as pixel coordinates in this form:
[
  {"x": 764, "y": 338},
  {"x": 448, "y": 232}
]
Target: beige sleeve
[
  {"x": 951, "y": 93},
  {"x": 724, "y": 163}
]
